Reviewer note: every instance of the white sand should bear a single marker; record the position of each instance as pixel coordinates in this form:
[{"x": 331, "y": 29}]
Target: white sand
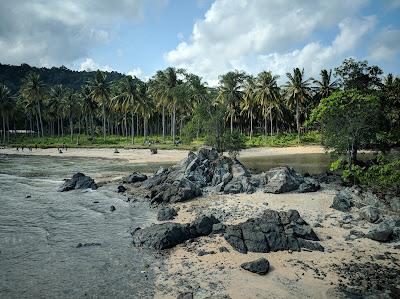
[{"x": 144, "y": 155}]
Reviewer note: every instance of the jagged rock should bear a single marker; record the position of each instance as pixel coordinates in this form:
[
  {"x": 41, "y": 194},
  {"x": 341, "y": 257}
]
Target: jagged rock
[
  {"x": 342, "y": 201},
  {"x": 369, "y": 213},
  {"x": 134, "y": 177},
  {"x": 383, "y": 231},
  {"x": 121, "y": 189},
  {"x": 260, "y": 266},
  {"x": 177, "y": 191},
  {"x": 78, "y": 181},
  {"x": 166, "y": 213},
  {"x": 112, "y": 208},
  {"x": 167, "y": 235},
  {"x": 282, "y": 179},
  {"x": 273, "y": 231},
  {"x": 309, "y": 185}
]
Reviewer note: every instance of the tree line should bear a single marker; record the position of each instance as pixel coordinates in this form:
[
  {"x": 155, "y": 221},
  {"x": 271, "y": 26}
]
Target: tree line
[{"x": 175, "y": 104}]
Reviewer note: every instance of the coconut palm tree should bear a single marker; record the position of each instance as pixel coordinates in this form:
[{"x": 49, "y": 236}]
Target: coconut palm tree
[
  {"x": 230, "y": 92},
  {"x": 89, "y": 106},
  {"x": 326, "y": 85},
  {"x": 249, "y": 100},
  {"x": 33, "y": 90},
  {"x": 297, "y": 91},
  {"x": 100, "y": 92},
  {"x": 127, "y": 99},
  {"x": 198, "y": 93},
  {"x": 145, "y": 105},
  {"x": 6, "y": 105},
  {"x": 267, "y": 94}
]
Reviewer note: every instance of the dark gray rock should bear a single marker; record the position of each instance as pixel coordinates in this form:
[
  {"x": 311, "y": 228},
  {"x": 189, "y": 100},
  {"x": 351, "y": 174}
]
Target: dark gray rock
[
  {"x": 166, "y": 213},
  {"x": 134, "y": 177},
  {"x": 167, "y": 235},
  {"x": 383, "y": 231},
  {"x": 309, "y": 185},
  {"x": 342, "y": 201},
  {"x": 394, "y": 203},
  {"x": 186, "y": 295},
  {"x": 121, "y": 189},
  {"x": 260, "y": 266},
  {"x": 369, "y": 213},
  {"x": 78, "y": 181},
  {"x": 282, "y": 179},
  {"x": 273, "y": 231},
  {"x": 112, "y": 208}
]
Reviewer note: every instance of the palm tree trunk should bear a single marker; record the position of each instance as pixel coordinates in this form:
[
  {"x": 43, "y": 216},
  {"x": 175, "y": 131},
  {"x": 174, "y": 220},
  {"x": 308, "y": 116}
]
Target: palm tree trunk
[
  {"x": 231, "y": 123},
  {"x": 40, "y": 118},
  {"x": 163, "y": 122},
  {"x": 265, "y": 125},
  {"x": 174, "y": 123},
  {"x": 104, "y": 120},
  {"x": 4, "y": 128},
  {"x": 37, "y": 125},
  {"x": 145, "y": 127},
  {"x": 298, "y": 120},
  {"x": 272, "y": 127},
  {"x": 251, "y": 123},
  {"x": 71, "y": 127},
  {"x": 132, "y": 128}
]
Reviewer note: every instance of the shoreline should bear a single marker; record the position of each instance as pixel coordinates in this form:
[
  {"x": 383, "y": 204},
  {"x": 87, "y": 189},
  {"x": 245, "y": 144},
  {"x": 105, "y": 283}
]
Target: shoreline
[{"x": 169, "y": 156}]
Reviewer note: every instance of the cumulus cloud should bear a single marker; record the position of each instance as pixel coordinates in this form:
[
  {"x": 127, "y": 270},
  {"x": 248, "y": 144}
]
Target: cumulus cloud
[
  {"x": 136, "y": 72},
  {"x": 386, "y": 45},
  {"x": 54, "y": 32},
  {"x": 270, "y": 34},
  {"x": 90, "y": 65}
]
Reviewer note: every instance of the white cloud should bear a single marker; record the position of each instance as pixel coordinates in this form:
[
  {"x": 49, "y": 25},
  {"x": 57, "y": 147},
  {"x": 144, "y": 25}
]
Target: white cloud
[
  {"x": 90, "y": 65},
  {"x": 136, "y": 72},
  {"x": 386, "y": 45},
  {"x": 275, "y": 34}
]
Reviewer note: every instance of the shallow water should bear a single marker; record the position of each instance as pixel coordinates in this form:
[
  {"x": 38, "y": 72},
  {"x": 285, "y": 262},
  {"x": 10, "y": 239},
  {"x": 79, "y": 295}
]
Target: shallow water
[{"x": 39, "y": 257}]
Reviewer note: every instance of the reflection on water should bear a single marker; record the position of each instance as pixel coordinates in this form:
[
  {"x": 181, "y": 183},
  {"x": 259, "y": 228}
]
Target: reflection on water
[
  {"x": 311, "y": 163},
  {"x": 39, "y": 235}
]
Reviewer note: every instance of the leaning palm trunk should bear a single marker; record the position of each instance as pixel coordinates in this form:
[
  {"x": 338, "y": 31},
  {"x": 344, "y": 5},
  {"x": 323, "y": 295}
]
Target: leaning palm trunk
[{"x": 40, "y": 118}]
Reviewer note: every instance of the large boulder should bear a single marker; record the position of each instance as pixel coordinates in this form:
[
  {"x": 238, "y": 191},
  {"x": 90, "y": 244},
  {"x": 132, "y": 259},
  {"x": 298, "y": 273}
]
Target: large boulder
[
  {"x": 309, "y": 185},
  {"x": 166, "y": 213},
  {"x": 135, "y": 177},
  {"x": 167, "y": 235},
  {"x": 383, "y": 231},
  {"x": 260, "y": 266},
  {"x": 342, "y": 201},
  {"x": 177, "y": 191},
  {"x": 78, "y": 181},
  {"x": 273, "y": 231},
  {"x": 369, "y": 213},
  {"x": 282, "y": 179}
]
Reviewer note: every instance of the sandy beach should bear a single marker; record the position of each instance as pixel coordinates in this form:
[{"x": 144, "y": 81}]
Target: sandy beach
[
  {"x": 144, "y": 155},
  {"x": 292, "y": 274}
]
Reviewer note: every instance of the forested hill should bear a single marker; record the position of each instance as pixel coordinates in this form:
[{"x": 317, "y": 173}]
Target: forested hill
[{"x": 12, "y": 75}]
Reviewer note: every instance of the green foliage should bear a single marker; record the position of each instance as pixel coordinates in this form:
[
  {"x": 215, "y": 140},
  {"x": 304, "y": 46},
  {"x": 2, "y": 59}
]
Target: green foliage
[
  {"x": 283, "y": 140},
  {"x": 349, "y": 121}
]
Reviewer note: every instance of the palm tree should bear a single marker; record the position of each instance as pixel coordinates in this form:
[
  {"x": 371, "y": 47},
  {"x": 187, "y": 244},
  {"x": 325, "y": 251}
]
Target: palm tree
[
  {"x": 33, "y": 90},
  {"x": 230, "y": 91},
  {"x": 127, "y": 99},
  {"x": 297, "y": 91},
  {"x": 89, "y": 106},
  {"x": 6, "y": 105},
  {"x": 326, "y": 86},
  {"x": 145, "y": 105},
  {"x": 197, "y": 94},
  {"x": 267, "y": 94},
  {"x": 249, "y": 100},
  {"x": 100, "y": 92}
]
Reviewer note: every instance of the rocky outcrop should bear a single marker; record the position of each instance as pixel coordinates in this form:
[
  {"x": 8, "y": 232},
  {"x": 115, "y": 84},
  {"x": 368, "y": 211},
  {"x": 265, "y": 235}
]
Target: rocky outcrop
[
  {"x": 167, "y": 235},
  {"x": 342, "y": 201},
  {"x": 166, "y": 213},
  {"x": 260, "y": 266},
  {"x": 385, "y": 231},
  {"x": 286, "y": 179},
  {"x": 78, "y": 181},
  {"x": 134, "y": 177},
  {"x": 273, "y": 231}
]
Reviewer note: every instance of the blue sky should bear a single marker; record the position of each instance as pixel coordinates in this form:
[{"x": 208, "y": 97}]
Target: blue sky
[{"x": 207, "y": 37}]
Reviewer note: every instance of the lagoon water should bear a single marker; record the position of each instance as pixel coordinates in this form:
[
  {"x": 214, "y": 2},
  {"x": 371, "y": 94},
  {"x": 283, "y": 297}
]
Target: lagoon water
[{"x": 39, "y": 257}]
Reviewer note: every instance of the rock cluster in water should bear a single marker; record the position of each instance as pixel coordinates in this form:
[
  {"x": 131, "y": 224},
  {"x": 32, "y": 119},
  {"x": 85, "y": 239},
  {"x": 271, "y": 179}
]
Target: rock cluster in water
[
  {"x": 273, "y": 231},
  {"x": 78, "y": 181}
]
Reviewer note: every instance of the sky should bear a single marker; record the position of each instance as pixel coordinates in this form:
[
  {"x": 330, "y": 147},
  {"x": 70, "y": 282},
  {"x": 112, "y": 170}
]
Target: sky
[{"x": 206, "y": 37}]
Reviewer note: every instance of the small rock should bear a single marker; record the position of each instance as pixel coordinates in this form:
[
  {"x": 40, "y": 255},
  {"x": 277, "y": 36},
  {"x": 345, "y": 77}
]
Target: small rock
[
  {"x": 260, "y": 266},
  {"x": 382, "y": 232},
  {"x": 223, "y": 249},
  {"x": 186, "y": 295},
  {"x": 28, "y": 196},
  {"x": 135, "y": 177},
  {"x": 112, "y": 208},
  {"x": 342, "y": 202},
  {"x": 121, "y": 189},
  {"x": 166, "y": 213},
  {"x": 370, "y": 214}
]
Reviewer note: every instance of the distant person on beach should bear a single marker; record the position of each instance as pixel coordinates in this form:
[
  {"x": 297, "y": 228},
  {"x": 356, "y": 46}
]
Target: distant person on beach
[
  {"x": 116, "y": 151},
  {"x": 17, "y": 149},
  {"x": 22, "y": 148},
  {"x": 35, "y": 146},
  {"x": 60, "y": 151}
]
